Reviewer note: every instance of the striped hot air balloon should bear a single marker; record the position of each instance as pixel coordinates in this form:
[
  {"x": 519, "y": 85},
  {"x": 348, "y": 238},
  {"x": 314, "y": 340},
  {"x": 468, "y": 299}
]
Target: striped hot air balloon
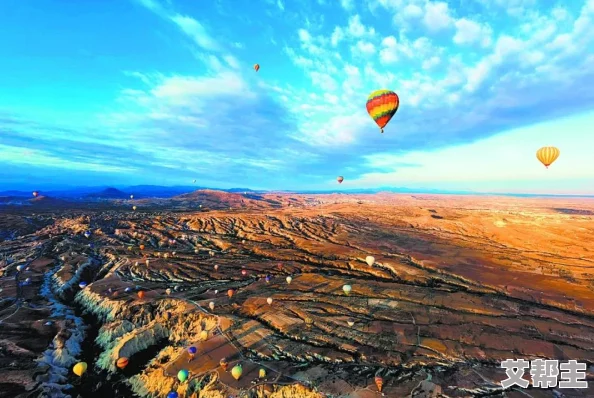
[
  {"x": 122, "y": 362},
  {"x": 547, "y": 155},
  {"x": 381, "y": 106},
  {"x": 379, "y": 382}
]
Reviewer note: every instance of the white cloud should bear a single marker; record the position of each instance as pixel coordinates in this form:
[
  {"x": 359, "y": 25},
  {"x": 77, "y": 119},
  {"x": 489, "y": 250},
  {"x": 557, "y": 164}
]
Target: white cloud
[
  {"x": 280, "y": 5},
  {"x": 364, "y": 48},
  {"x": 437, "y": 16},
  {"x": 347, "y": 4},
  {"x": 196, "y": 31},
  {"x": 357, "y": 29},
  {"x": 389, "y": 52},
  {"x": 471, "y": 32}
]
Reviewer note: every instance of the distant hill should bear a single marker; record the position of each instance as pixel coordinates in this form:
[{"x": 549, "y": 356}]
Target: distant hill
[
  {"x": 109, "y": 193},
  {"x": 215, "y": 199}
]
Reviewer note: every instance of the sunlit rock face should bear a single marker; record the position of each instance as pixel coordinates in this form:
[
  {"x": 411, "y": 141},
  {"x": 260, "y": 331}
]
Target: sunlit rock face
[{"x": 456, "y": 285}]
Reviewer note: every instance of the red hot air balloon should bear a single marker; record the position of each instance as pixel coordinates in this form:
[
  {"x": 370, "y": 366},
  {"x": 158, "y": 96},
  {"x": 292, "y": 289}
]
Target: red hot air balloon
[
  {"x": 381, "y": 106},
  {"x": 141, "y": 294},
  {"x": 230, "y": 293},
  {"x": 379, "y": 382},
  {"x": 257, "y": 67},
  {"x": 122, "y": 362}
]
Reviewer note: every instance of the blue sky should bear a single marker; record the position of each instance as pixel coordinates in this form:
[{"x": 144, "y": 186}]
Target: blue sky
[{"x": 125, "y": 92}]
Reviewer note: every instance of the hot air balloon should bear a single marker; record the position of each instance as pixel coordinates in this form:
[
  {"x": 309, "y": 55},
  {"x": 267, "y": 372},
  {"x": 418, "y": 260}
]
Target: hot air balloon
[
  {"x": 379, "y": 382},
  {"x": 340, "y": 179},
  {"x": 131, "y": 196},
  {"x": 141, "y": 247},
  {"x": 168, "y": 291},
  {"x": 243, "y": 272},
  {"x": 82, "y": 285},
  {"x": 236, "y": 372},
  {"x": 141, "y": 294},
  {"x": 347, "y": 289},
  {"x": 191, "y": 352},
  {"x": 211, "y": 305},
  {"x": 308, "y": 322},
  {"x": 147, "y": 262},
  {"x": 127, "y": 290},
  {"x": 216, "y": 292},
  {"x": 269, "y": 300},
  {"x": 20, "y": 268},
  {"x": 122, "y": 362},
  {"x": 203, "y": 335},
  {"x": 87, "y": 234},
  {"x": 381, "y": 106},
  {"x": 268, "y": 278},
  {"x": 350, "y": 322},
  {"x": 194, "y": 181},
  {"x": 80, "y": 368},
  {"x": 133, "y": 207},
  {"x": 173, "y": 394},
  {"x": 370, "y": 260},
  {"x": 262, "y": 373},
  {"x": 547, "y": 155},
  {"x": 216, "y": 267},
  {"x": 224, "y": 364},
  {"x": 35, "y": 194},
  {"x": 27, "y": 281},
  {"x": 167, "y": 315},
  {"x": 289, "y": 280},
  {"x": 182, "y": 375},
  {"x": 230, "y": 293},
  {"x": 256, "y": 67}
]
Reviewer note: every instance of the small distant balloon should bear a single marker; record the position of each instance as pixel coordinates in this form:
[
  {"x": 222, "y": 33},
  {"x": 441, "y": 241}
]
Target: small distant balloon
[
  {"x": 133, "y": 207},
  {"x": 20, "y": 268},
  {"x": 370, "y": 260},
  {"x": 256, "y": 67},
  {"x": 340, "y": 179},
  {"x": 289, "y": 280},
  {"x": 204, "y": 335},
  {"x": 216, "y": 267},
  {"x": 141, "y": 247},
  {"x": 347, "y": 289},
  {"x": 236, "y": 372},
  {"x": 262, "y": 373},
  {"x": 173, "y": 394},
  {"x": 82, "y": 285},
  {"x": 147, "y": 262},
  {"x": 269, "y": 300},
  {"x": 141, "y": 294},
  {"x": 192, "y": 350},
  {"x": 80, "y": 368},
  {"x": 379, "y": 382},
  {"x": 268, "y": 278},
  {"x": 547, "y": 155},
  {"x": 128, "y": 289},
  {"x": 216, "y": 292},
  {"x": 211, "y": 305},
  {"x": 87, "y": 234},
  {"x": 194, "y": 181},
  {"x": 182, "y": 375},
  {"x": 122, "y": 362},
  {"x": 243, "y": 272},
  {"x": 35, "y": 194},
  {"x": 131, "y": 196},
  {"x": 230, "y": 293},
  {"x": 224, "y": 364},
  {"x": 351, "y": 322}
]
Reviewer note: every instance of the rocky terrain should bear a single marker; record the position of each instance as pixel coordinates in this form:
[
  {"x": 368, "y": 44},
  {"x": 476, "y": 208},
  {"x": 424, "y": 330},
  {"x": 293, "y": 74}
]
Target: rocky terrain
[{"x": 459, "y": 283}]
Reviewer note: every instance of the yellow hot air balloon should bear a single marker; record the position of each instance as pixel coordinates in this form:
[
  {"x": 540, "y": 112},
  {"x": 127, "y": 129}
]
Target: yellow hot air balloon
[
  {"x": 547, "y": 155},
  {"x": 80, "y": 368},
  {"x": 262, "y": 373},
  {"x": 203, "y": 335},
  {"x": 236, "y": 372}
]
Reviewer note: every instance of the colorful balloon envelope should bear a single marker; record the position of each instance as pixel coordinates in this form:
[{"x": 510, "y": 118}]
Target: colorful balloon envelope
[
  {"x": 347, "y": 289},
  {"x": 141, "y": 294},
  {"x": 80, "y": 368},
  {"x": 173, "y": 394},
  {"x": 192, "y": 350},
  {"x": 268, "y": 278},
  {"x": 82, "y": 285},
  {"x": 182, "y": 375},
  {"x": 547, "y": 155},
  {"x": 203, "y": 335},
  {"x": 379, "y": 382},
  {"x": 256, "y": 67},
  {"x": 382, "y": 106},
  {"x": 236, "y": 372},
  {"x": 340, "y": 179},
  {"x": 230, "y": 293},
  {"x": 122, "y": 362},
  {"x": 262, "y": 373},
  {"x": 224, "y": 364},
  {"x": 351, "y": 322}
]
